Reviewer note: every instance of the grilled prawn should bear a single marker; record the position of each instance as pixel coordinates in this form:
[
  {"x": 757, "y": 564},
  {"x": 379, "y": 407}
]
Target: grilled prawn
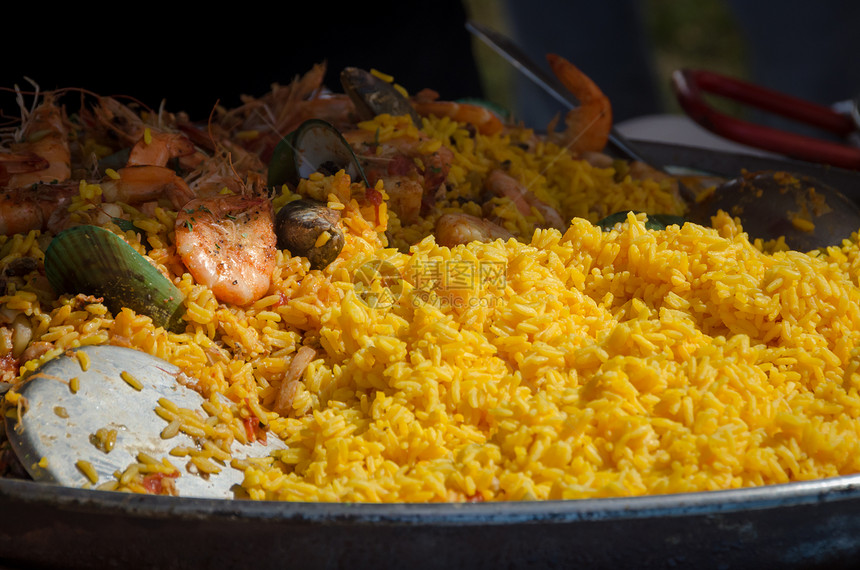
[{"x": 228, "y": 243}]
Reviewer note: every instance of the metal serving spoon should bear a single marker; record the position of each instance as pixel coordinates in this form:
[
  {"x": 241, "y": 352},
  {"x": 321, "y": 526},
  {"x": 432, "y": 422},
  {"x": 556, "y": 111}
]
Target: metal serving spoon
[
  {"x": 56, "y": 428},
  {"x": 804, "y": 210}
]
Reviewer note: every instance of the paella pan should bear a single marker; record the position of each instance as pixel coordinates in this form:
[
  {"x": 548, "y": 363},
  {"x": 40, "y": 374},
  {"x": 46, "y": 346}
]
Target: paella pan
[{"x": 473, "y": 340}]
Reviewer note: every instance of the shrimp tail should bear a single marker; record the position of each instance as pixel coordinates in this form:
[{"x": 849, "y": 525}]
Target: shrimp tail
[{"x": 589, "y": 124}]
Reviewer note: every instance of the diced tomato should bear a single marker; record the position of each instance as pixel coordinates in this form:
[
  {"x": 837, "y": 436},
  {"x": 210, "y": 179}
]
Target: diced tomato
[
  {"x": 249, "y": 429},
  {"x": 374, "y": 196},
  {"x": 253, "y": 430},
  {"x": 154, "y": 482}
]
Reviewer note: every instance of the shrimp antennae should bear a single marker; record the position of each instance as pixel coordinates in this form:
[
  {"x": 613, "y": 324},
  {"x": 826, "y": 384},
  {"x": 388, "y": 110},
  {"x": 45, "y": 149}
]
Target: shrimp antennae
[{"x": 228, "y": 154}]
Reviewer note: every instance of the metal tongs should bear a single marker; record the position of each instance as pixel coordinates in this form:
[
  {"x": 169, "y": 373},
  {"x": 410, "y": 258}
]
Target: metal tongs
[{"x": 841, "y": 119}]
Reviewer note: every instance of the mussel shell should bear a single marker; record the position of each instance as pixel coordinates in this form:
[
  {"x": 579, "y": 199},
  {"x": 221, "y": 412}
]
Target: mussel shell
[
  {"x": 298, "y": 226},
  {"x": 94, "y": 261},
  {"x": 315, "y": 146},
  {"x": 374, "y": 96}
]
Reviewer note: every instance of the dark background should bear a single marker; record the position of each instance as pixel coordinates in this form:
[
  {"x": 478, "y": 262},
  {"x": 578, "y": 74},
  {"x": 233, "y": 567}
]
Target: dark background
[{"x": 193, "y": 58}]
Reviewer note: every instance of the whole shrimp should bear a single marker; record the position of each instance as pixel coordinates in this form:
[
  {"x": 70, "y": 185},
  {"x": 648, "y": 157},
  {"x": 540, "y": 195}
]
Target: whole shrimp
[
  {"x": 589, "y": 124},
  {"x": 42, "y": 154},
  {"x": 458, "y": 228},
  {"x": 482, "y": 119},
  {"x": 146, "y": 176},
  {"x": 35, "y": 170},
  {"x": 35, "y": 207},
  {"x": 503, "y": 184},
  {"x": 112, "y": 121},
  {"x": 375, "y": 93}
]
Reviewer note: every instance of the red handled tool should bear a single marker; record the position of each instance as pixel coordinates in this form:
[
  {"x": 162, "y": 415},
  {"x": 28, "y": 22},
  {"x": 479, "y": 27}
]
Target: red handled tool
[{"x": 690, "y": 86}]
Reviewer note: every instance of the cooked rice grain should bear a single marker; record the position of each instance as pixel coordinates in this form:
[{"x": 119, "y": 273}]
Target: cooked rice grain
[{"x": 558, "y": 365}]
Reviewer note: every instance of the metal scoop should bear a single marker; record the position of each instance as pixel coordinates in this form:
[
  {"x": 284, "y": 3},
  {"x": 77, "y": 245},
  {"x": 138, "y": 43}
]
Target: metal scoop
[
  {"x": 805, "y": 211},
  {"x": 55, "y": 429}
]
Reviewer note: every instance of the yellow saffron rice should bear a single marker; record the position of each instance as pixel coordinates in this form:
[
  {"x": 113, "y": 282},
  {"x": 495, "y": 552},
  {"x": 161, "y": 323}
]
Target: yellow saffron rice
[
  {"x": 560, "y": 365},
  {"x": 131, "y": 380},
  {"x": 88, "y": 470}
]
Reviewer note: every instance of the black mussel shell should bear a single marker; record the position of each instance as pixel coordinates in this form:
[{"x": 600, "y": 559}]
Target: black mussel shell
[
  {"x": 299, "y": 225},
  {"x": 374, "y": 96},
  {"x": 315, "y": 146}
]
